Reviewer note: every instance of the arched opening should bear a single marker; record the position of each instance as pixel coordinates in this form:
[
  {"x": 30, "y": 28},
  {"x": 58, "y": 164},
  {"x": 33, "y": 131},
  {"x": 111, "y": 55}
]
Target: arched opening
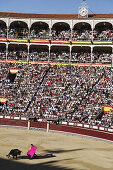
[
  {"x": 103, "y": 31},
  {"x": 82, "y": 31},
  {"x": 61, "y": 31},
  {"x": 102, "y": 55},
  {"x": 17, "y": 52},
  {"x": 81, "y": 54},
  {"x": 3, "y": 29},
  {"x": 60, "y": 54},
  {"x": 18, "y": 29},
  {"x": 39, "y": 53},
  {"x": 39, "y": 30}
]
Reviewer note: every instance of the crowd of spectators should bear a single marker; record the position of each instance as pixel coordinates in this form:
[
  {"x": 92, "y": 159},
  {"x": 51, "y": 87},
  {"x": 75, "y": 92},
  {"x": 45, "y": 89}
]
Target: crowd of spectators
[
  {"x": 60, "y": 56},
  {"x": 2, "y": 54},
  {"x": 17, "y": 55},
  {"x": 19, "y": 92},
  {"x": 107, "y": 120},
  {"x": 83, "y": 35},
  {"x": 81, "y": 57},
  {"x": 103, "y": 58},
  {"x": 54, "y": 34},
  {"x": 18, "y": 33},
  {"x": 60, "y": 35},
  {"x": 106, "y": 35},
  {"x": 70, "y": 93},
  {"x": 40, "y": 34},
  {"x": 39, "y": 56},
  {"x": 3, "y": 32}
]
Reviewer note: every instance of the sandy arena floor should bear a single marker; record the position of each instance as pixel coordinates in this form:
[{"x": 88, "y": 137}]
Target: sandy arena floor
[{"x": 55, "y": 151}]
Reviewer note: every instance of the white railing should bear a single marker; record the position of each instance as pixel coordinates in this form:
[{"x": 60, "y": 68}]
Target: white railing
[{"x": 64, "y": 123}]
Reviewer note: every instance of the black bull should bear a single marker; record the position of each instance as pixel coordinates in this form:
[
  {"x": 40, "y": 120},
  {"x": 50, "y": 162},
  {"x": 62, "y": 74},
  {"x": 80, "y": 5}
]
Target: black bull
[{"x": 14, "y": 153}]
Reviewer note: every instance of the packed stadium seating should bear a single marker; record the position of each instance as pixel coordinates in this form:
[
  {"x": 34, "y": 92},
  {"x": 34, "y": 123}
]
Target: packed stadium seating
[
  {"x": 71, "y": 93},
  {"x": 79, "y": 81}
]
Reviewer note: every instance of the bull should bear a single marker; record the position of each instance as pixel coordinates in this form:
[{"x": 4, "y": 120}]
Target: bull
[{"x": 14, "y": 153}]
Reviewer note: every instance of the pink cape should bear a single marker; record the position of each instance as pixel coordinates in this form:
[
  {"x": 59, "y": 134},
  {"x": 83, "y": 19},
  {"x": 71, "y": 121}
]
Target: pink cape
[{"x": 32, "y": 151}]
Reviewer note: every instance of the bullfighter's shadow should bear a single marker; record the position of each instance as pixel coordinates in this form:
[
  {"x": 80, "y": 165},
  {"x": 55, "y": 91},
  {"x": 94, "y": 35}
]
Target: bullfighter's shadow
[{"x": 37, "y": 156}]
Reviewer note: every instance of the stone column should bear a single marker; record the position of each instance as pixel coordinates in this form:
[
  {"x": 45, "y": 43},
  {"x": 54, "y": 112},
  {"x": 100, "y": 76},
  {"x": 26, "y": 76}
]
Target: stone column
[
  {"x": 49, "y": 53},
  {"x": 112, "y": 60},
  {"x": 28, "y": 124},
  {"x": 70, "y": 55},
  {"x": 47, "y": 126},
  {"x": 6, "y": 52},
  {"x": 28, "y": 54},
  {"x": 91, "y": 54}
]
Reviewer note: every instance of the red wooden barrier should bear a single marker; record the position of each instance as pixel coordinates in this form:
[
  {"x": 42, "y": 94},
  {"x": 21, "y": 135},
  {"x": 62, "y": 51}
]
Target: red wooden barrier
[{"x": 59, "y": 127}]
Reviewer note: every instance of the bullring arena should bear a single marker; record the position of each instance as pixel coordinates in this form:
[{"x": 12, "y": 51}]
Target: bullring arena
[
  {"x": 68, "y": 152},
  {"x": 56, "y": 75}
]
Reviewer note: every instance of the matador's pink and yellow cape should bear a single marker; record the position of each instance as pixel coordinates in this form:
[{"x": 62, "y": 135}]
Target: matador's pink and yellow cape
[{"x": 32, "y": 151}]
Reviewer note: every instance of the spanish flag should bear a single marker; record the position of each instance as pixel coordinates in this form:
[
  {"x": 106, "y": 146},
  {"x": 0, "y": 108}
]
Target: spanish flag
[
  {"x": 14, "y": 70},
  {"x": 107, "y": 108},
  {"x": 2, "y": 100}
]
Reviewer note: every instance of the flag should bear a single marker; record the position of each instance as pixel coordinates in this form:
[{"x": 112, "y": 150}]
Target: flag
[
  {"x": 2, "y": 99},
  {"x": 107, "y": 108},
  {"x": 14, "y": 70}
]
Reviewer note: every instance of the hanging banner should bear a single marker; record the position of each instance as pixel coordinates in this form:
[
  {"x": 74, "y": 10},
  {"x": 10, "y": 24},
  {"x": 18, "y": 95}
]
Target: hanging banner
[
  {"x": 60, "y": 42},
  {"x": 2, "y": 99},
  {"x": 107, "y": 108},
  {"x": 3, "y": 39},
  {"x": 14, "y": 70},
  {"x": 81, "y": 42},
  {"x": 39, "y": 41},
  {"x": 18, "y": 40},
  {"x": 102, "y": 42}
]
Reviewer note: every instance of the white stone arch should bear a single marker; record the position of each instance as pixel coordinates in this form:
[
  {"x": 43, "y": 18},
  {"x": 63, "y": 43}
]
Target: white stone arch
[
  {"x": 60, "y": 22},
  {"x": 3, "y": 25},
  {"x": 39, "y": 46},
  {"x": 26, "y": 21},
  {"x": 82, "y": 21},
  {"x": 39, "y": 22},
  {"x": 5, "y": 20},
  {"x": 95, "y": 22},
  {"x": 110, "y": 46},
  {"x": 69, "y": 22},
  {"x": 32, "y": 21},
  {"x": 65, "y": 47},
  {"x": 19, "y": 45}
]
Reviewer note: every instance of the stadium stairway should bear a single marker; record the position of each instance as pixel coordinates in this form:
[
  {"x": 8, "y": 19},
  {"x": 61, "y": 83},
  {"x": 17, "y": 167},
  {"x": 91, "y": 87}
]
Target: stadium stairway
[
  {"x": 44, "y": 75},
  {"x": 88, "y": 93}
]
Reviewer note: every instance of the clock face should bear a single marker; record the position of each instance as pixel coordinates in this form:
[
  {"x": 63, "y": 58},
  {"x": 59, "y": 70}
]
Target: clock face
[{"x": 83, "y": 11}]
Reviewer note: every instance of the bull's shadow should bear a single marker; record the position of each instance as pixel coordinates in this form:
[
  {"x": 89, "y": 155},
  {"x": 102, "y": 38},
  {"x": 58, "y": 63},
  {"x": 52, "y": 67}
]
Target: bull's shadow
[
  {"x": 49, "y": 153},
  {"x": 43, "y": 156}
]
